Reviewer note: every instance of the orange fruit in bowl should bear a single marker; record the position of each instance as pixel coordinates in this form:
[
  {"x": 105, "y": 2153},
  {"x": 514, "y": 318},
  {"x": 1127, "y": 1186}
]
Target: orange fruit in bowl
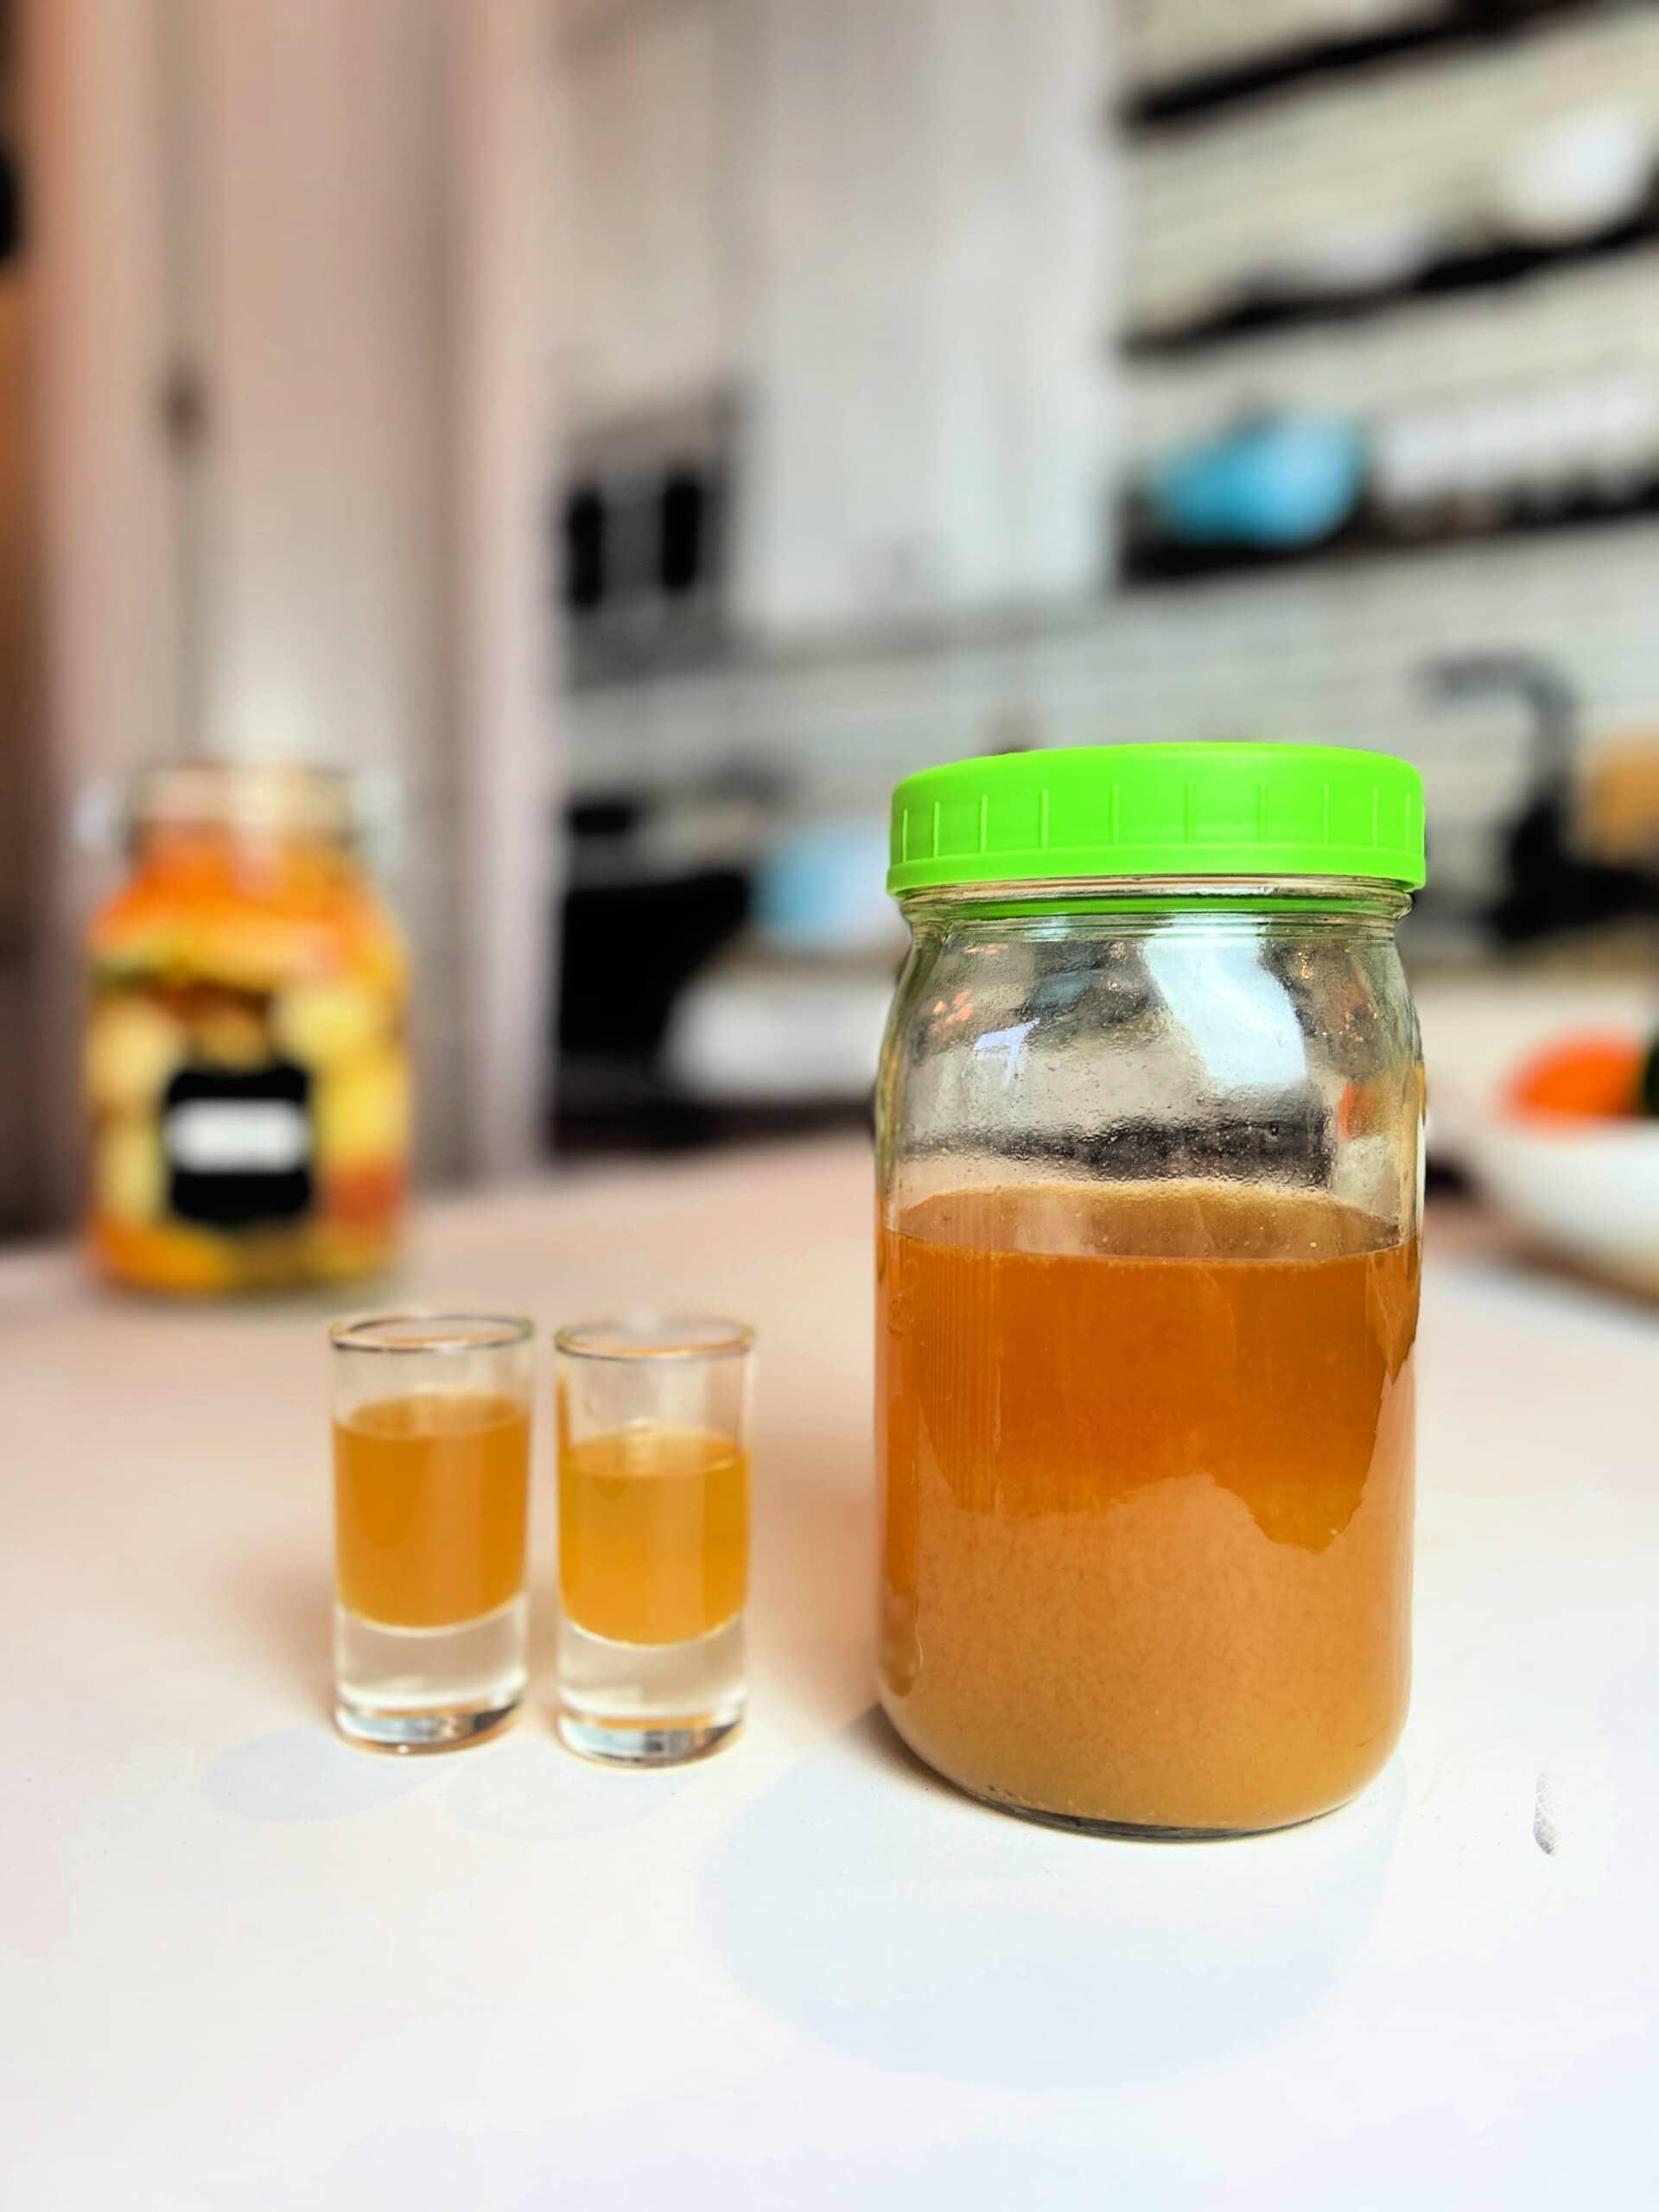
[{"x": 1592, "y": 1077}]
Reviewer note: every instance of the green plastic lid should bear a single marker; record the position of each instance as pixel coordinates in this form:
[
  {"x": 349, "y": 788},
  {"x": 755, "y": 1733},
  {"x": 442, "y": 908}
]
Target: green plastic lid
[{"x": 1159, "y": 810}]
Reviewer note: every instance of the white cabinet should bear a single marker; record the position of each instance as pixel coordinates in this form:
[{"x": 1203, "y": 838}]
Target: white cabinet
[
  {"x": 887, "y": 227},
  {"x": 651, "y": 322},
  {"x": 929, "y": 248}
]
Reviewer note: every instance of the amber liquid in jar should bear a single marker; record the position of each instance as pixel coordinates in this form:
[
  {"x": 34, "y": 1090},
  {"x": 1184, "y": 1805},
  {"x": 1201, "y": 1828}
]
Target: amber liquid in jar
[{"x": 1147, "y": 1498}]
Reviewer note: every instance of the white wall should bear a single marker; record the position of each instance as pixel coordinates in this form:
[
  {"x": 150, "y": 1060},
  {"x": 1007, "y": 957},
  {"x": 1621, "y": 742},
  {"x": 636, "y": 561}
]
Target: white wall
[
  {"x": 929, "y": 245},
  {"x": 314, "y": 154},
  {"x": 651, "y": 316},
  {"x": 99, "y": 307},
  {"x": 336, "y": 215},
  {"x": 509, "y": 243}
]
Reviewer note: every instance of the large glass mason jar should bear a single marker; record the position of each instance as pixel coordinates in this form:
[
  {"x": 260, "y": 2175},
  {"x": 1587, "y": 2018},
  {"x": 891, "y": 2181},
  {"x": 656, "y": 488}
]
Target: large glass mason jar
[
  {"x": 1150, "y": 1122},
  {"x": 247, "y": 1076}
]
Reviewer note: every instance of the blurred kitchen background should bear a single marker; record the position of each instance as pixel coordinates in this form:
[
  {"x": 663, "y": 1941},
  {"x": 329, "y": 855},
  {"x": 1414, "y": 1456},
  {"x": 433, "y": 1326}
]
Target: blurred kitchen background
[{"x": 637, "y": 431}]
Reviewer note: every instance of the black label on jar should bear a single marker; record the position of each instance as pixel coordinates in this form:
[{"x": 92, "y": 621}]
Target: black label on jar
[{"x": 238, "y": 1146}]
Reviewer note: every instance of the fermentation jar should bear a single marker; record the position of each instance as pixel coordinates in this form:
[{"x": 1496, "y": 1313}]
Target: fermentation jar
[
  {"x": 246, "y": 1072},
  {"x": 1150, "y": 1198}
]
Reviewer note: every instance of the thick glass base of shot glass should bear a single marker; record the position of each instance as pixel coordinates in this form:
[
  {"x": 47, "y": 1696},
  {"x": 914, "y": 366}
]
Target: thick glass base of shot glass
[
  {"x": 429, "y": 1689},
  {"x": 649, "y": 1704}
]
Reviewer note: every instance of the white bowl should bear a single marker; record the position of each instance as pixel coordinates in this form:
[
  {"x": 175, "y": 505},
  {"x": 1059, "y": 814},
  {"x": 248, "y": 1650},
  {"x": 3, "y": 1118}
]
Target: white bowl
[
  {"x": 1358, "y": 259},
  {"x": 1588, "y": 1191},
  {"x": 1578, "y": 176}
]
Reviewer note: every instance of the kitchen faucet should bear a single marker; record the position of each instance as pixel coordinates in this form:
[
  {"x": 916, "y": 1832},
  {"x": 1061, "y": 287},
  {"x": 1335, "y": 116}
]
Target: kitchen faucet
[{"x": 1550, "y": 886}]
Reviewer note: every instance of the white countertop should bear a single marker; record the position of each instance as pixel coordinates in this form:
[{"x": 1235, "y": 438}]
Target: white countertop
[{"x": 242, "y": 1966}]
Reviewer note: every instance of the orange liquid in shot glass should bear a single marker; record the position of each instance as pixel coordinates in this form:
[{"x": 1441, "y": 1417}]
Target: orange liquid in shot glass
[
  {"x": 430, "y": 1504},
  {"x": 653, "y": 1532}
]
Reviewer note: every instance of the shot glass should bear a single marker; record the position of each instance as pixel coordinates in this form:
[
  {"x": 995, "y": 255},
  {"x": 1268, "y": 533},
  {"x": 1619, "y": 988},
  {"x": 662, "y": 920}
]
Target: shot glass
[
  {"x": 431, "y": 1425},
  {"x": 653, "y": 1460}
]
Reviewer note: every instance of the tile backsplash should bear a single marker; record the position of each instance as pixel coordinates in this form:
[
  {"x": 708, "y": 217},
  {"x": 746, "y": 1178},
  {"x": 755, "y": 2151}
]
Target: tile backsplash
[{"x": 1331, "y": 656}]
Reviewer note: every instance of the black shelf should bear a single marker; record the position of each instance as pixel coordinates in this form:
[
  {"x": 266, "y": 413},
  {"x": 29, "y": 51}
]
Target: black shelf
[
  {"x": 1493, "y": 267},
  {"x": 1466, "y": 26},
  {"x": 1150, "y": 561}
]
